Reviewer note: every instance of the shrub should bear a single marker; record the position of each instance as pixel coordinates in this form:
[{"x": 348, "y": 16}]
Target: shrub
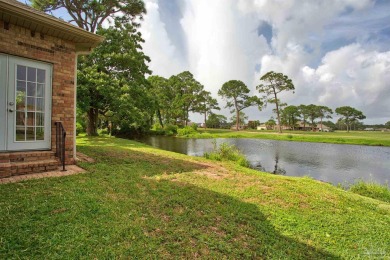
[
  {"x": 194, "y": 126},
  {"x": 226, "y": 152},
  {"x": 372, "y": 190},
  {"x": 186, "y": 131},
  {"x": 170, "y": 129},
  {"x": 79, "y": 128}
]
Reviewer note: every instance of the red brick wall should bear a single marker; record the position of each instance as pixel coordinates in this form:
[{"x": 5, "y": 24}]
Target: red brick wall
[{"x": 21, "y": 42}]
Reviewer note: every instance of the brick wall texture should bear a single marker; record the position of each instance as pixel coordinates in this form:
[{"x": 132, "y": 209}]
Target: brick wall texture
[{"x": 21, "y": 42}]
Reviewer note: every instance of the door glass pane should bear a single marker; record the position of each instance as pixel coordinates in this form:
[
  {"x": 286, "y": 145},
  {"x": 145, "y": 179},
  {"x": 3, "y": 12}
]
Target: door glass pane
[
  {"x": 20, "y": 133},
  {"x": 40, "y": 119},
  {"x": 30, "y": 104},
  {"x": 40, "y": 90},
  {"x": 31, "y": 118},
  {"x": 31, "y": 74},
  {"x": 40, "y": 104},
  {"x": 20, "y": 118},
  {"x": 21, "y": 72},
  {"x": 30, "y": 133},
  {"x": 41, "y": 76},
  {"x": 40, "y": 133},
  {"x": 20, "y": 100},
  {"x": 31, "y": 89}
]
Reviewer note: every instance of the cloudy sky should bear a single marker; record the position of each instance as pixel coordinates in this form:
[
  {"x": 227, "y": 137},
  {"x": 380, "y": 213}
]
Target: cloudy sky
[{"x": 337, "y": 52}]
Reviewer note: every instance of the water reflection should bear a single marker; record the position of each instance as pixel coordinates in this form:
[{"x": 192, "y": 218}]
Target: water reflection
[{"x": 326, "y": 162}]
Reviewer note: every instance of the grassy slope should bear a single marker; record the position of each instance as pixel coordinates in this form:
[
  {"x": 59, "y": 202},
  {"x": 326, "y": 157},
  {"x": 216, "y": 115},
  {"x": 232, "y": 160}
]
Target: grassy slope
[
  {"x": 137, "y": 201},
  {"x": 339, "y": 137}
]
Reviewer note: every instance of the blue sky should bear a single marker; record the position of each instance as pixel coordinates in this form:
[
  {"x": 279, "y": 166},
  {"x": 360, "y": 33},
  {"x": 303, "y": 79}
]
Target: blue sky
[{"x": 337, "y": 52}]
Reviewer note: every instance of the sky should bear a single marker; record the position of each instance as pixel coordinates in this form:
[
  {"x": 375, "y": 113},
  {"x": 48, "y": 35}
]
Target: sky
[{"x": 337, "y": 52}]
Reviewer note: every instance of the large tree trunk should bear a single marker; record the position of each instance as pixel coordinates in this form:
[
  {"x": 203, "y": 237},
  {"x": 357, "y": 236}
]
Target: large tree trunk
[
  {"x": 277, "y": 112},
  {"x": 159, "y": 118},
  {"x": 237, "y": 114},
  {"x": 92, "y": 122},
  {"x": 322, "y": 130},
  {"x": 205, "y": 119}
]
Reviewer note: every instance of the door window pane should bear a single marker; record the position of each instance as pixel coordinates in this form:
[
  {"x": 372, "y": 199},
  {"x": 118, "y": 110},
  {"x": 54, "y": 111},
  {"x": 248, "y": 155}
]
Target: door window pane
[
  {"x": 20, "y": 118},
  {"x": 31, "y": 74},
  {"x": 20, "y": 133},
  {"x": 31, "y": 118},
  {"x": 31, "y": 89},
  {"x": 30, "y": 133},
  {"x": 20, "y": 100},
  {"x": 40, "y": 90},
  {"x": 40, "y": 133},
  {"x": 30, "y": 104},
  {"x": 21, "y": 86},
  {"x": 40, "y": 104},
  {"x": 41, "y": 76},
  {"x": 21, "y": 72},
  {"x": 40, "y": 119}
]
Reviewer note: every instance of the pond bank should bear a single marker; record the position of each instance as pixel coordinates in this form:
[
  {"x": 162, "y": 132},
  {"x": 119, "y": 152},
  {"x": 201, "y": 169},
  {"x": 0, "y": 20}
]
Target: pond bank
[{"x": 338, "y": 137}]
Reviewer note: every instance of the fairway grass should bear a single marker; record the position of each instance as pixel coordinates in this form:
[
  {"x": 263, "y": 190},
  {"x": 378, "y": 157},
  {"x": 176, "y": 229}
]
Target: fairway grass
[
  {"x": 339, "y": 137},
  {"x": 136, "y": 202}
]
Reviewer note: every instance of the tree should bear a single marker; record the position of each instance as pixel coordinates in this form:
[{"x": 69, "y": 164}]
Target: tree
[
  {"x": 187, "y": 95},
  {"x": 274, "y": 84},
  {"x": 235, "y": 92},
  {"x": 216, "y": 121},
  {"x": 313, "y": 114},
  {"x": 387, "y": 124},
  {"x": 112, "y": 78},
  {"x": 349, "y": 115},
  {"x": 162, "y": 96},
  {"x": 290, "y": 115},
  {"x": 206, "y": 104},
  {"x": 324, "y": 112},
  {"x": 304, "y": 113},
  {"x": 270, "y": 123},
  {"x": 90, "y": 15},
  {"x": 242, "y": 118}
]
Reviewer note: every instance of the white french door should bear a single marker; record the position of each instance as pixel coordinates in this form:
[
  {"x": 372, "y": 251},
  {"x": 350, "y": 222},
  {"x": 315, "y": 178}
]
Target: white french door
[{"x": 26, "y": 113}]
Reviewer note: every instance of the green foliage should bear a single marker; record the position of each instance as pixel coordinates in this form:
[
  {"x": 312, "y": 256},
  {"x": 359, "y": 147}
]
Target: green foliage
[
  {"x": 112, "y": 78},
  {"x": 226, "y": 152},
  {"x": 216, "y": 121},
  {"x": 79, "y": 128},
  {"x": 90, "y": 15},
  {"x": 274, "y": 83},
  {"x": 349, "y": 115},
  {"x": 387, "y": 124},
  {"x": 170, "y": 129},
  {"x": 187, "y": 131},
  {"x": 235, "y": 92},
  {"x": 372, "y": 190},
  {"x": 290, "y": 115}
]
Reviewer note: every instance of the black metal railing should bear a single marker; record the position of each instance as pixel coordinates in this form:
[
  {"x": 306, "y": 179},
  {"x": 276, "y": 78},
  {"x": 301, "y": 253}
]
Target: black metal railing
[{"x": 60, "y": 143}]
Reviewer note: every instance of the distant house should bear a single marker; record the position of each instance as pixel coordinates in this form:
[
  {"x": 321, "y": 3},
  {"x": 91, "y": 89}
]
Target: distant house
[
  {"x": 38, "y": 58},
  {"x": 262, "y": 127}
]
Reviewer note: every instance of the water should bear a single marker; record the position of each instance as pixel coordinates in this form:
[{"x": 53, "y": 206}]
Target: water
[{"x": 331, "y": 163}]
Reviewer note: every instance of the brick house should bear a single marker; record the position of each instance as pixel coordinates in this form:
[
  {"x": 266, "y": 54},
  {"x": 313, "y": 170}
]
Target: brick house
[{"x": 38, "y": 56}]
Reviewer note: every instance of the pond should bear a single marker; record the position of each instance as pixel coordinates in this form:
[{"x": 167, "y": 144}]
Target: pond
[{"x": 333, "y": 163}]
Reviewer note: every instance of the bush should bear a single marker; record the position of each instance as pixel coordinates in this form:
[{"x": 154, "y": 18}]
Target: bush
[
  {"x": 372, "y": 190},
  {"x": 194, "y": 126},
  {"x": 186, "y": 131},
  {"x": 79, "y": 128},
  {"x": 226, "y": 152},
  {"x": 170, "y": 129}
]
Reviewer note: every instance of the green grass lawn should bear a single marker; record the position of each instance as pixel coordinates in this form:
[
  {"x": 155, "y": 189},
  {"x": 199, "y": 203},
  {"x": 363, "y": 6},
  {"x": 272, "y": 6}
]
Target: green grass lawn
[
  {"x": 139, "y": 202},
  {"x": 338, "y": 137}
]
